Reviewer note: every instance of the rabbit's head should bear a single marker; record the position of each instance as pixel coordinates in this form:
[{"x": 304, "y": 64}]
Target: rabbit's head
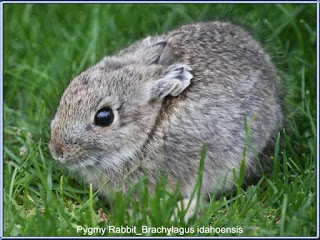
[{"x": 106, "y": 114}]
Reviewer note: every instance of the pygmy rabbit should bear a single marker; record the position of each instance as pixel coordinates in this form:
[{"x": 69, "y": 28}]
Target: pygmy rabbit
[{"x": 151, "y": 107}]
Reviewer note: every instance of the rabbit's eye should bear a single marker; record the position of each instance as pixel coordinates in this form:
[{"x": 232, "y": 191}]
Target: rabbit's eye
[{"x": 104, "y": 117}]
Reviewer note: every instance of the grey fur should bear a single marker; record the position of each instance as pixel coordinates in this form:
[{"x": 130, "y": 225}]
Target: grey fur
[{"x": 161, "y": 122}]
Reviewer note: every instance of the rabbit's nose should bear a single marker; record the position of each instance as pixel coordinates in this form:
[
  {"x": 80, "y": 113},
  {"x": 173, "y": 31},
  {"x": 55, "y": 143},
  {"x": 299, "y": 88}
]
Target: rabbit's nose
[{"x": 56, "y": 149}]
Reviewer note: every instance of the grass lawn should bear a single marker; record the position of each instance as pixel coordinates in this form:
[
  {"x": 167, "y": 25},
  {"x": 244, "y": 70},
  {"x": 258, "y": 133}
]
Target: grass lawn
[{"x": 46, "y": 45}]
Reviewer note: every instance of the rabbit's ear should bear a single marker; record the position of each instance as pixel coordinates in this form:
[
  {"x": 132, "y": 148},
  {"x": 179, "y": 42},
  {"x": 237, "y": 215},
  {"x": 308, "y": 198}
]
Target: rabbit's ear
[
  {"x": 111, "y": 63},
  {"x": 173, "y": 83},
  {"x": 156, "y": 51}
]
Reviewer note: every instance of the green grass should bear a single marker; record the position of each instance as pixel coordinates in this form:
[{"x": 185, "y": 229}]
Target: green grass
[{"x": 46, "y": 45}]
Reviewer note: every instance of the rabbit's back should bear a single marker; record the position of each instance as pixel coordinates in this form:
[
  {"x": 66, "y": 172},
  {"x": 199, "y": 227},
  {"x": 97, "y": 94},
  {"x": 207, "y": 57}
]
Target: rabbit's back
[{"x": 233, "y": 79}]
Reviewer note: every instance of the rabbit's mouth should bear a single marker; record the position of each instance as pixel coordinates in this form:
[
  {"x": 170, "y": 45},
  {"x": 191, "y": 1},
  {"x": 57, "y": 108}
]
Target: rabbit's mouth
[
  {"x": 68, "y": 154},
  {"x": 80, "y": 161},
  {"x": 72, "y": 163},
  {"x": 90, "y": 160},
  {"x": 76, "y": 157}
]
